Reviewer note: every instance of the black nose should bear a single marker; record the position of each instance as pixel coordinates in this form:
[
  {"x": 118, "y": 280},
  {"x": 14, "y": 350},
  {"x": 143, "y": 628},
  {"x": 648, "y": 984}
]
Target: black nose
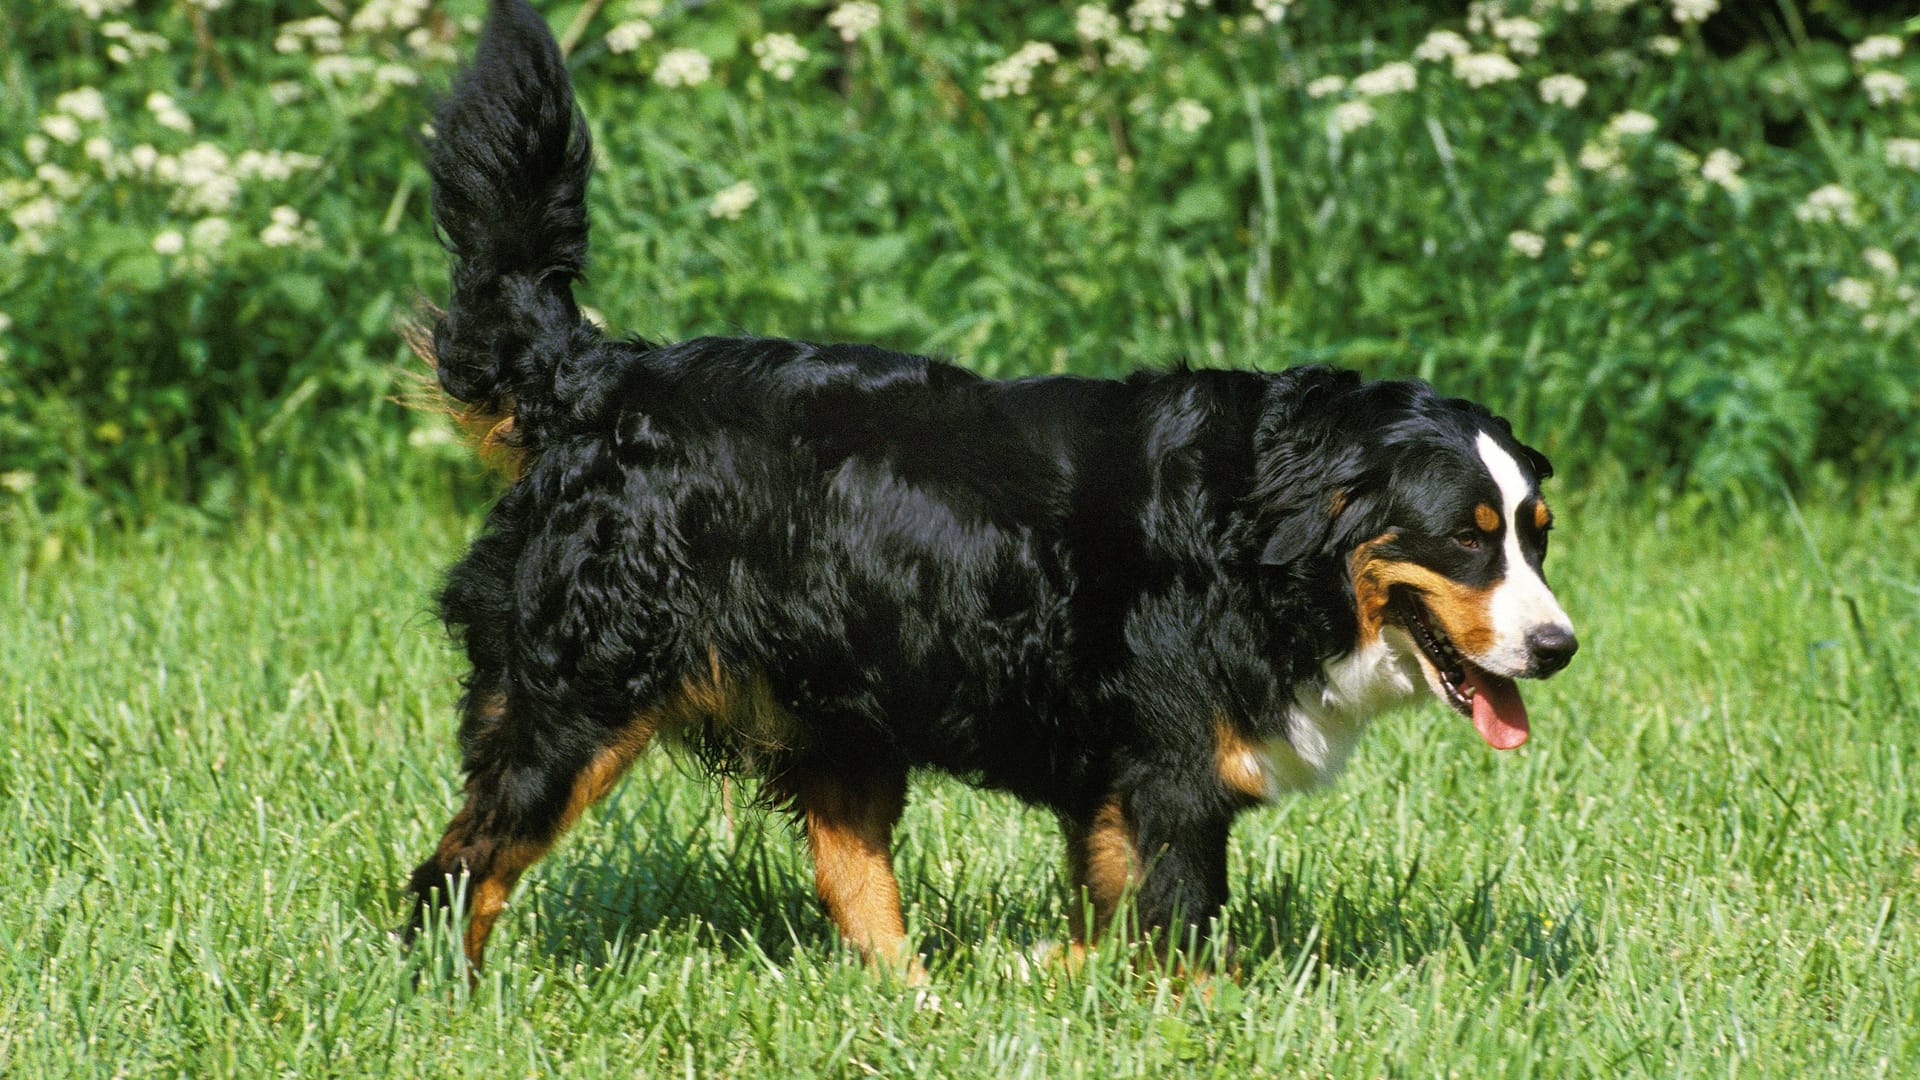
[{"x": 1552, "y": 647}]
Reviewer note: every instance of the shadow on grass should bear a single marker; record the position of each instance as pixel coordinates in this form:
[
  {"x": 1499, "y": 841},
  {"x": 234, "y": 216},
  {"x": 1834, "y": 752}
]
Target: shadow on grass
[
  {"x": 641, "y": 875},
  {"x": 749, "y": 895},
  {"x": 1376, "y": 920}
]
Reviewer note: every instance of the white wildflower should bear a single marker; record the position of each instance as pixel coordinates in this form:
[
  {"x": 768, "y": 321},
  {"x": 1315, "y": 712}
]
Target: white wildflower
[
  {"x": 1014, "y": 75},
  {"x": 1521, "y": 35},
  {"x": 1722, "y": 166},
  {"x": 1567, "y": 90},
  {"x": 209, "y": 234},
  {"x": 1903, "y": 153},
  {"x": 1397, "y": 77},
  {"x": 86, "y": 104},
  {"x": 168, "y": 114},
  {"x": 1632, "y": 124},
  {"x": 1271, "y": 10},
  {"x": 62, "y": 127},
  {"x": 98, "y": 9},
  {"x": 396, "y": 75},
  {"x": 732, "y": 201},
  {"x": 781, "y": 55},
  {"x": 1694, "y": 11},
  {"x": 1852, "y": 292},
  {"x": 385, "y": 16},
  {"x": 1600, "y": 157},
  {"x": 1877, "y": 48},
  {"x": 60, "y": 183},
  {"x": 1326, "y": 85},
  {"x": 288, "y": 229},
  {"x": 854, "y": 19},
  {"x": 204, "y": 179},
  {"x": 1665, "y": 45},
  {"x": 318, "y": 34},
  {"x": 143, "y": 158},
  {"x": 1881, "y": 261},
  {"x": 1442, "y": 45},
  {"x": 683, "y": 67},
  {"x": 1829, "y": 204},
  {"x": 1530, "y": 244},
  {"x": 170, "y": 242},
  {"x": 273, "y": 165},
  {"x": 627, "y": 36},
  {"x": 35, "y": 214},
  {"x": 99, "y": 150},
  {"x": 1093, "y": 22},
  {"x": 1484, "y": 69},
  {"x": 1155, "y": 14},
  {"x": 130, "y": 43},
  {"x": 1351, "y": 116},
  {"x": 1187, "y": 115},
  {"x": 1884, "y": 87},
  {"x": 36, "y": 146},
  {"x": 1560, "y": 184},
  {"x": 1128, "y": 53}
]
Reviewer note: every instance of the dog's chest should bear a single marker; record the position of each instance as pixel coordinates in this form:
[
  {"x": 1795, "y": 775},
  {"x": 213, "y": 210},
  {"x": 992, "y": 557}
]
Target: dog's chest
[{"x": 1327, "y": 717}]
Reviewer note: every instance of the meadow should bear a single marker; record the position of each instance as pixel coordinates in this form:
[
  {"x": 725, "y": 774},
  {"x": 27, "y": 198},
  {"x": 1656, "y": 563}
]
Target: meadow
[
  {"x": 1677, "y": 242},
  {"x": 224, "y": 754}
]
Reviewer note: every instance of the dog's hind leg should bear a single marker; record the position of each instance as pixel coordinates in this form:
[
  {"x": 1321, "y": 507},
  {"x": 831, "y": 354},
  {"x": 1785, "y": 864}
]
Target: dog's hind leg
[
  {"x": 849, "y": 824},
  {"x": 522, "y": 795}
]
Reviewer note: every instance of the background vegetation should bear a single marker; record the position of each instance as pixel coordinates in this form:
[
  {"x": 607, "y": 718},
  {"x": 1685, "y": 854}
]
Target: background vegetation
[
  {"x": 1675, "y": 240},
  {"x": 1685, "y": 250}
]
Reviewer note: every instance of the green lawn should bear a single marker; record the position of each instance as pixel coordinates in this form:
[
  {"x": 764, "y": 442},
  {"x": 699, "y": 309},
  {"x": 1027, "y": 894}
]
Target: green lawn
[{"x": 224, "y": 754}]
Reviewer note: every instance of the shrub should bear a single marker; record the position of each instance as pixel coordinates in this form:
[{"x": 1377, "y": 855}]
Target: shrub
[{"x": 1688, "y": 257}]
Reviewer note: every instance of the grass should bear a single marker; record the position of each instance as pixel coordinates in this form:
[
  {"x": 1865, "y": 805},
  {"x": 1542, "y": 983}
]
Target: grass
[{"x": 223, "y": 755}]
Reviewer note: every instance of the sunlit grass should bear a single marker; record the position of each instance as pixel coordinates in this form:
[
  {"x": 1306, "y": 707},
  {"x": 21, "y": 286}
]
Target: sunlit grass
[{"x": 224, "y": 754}]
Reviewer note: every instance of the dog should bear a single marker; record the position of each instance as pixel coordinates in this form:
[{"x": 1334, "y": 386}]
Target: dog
[{"x": 1145, "y": 604}]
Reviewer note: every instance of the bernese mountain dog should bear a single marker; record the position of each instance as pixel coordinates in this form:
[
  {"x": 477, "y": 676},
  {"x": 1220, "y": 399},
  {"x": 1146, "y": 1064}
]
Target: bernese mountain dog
[{"x": 1145, "y": 604}]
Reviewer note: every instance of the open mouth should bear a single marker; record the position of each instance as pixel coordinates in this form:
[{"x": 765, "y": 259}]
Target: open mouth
[{"x": 1492, "y": 701}]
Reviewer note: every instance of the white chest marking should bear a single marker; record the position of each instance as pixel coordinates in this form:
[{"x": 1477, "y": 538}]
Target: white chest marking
[{"x": 1327, "y": 718}]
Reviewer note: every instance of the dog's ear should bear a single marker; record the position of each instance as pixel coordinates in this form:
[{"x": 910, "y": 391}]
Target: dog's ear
[
  {"x": 1320, "y": 479},
  {"x": 1328, "y": 525}
]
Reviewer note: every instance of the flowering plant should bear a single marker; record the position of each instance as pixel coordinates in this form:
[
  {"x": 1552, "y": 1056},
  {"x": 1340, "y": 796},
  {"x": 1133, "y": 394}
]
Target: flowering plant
[{"x": 1636, "y": 232}]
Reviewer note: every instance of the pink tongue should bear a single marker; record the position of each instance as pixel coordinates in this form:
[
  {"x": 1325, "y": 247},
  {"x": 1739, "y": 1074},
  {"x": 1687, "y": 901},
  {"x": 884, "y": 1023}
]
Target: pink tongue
[{"x": 1498, "y": 713}]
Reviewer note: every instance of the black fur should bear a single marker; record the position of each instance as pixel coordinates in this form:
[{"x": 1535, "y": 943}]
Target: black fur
[{"x": 1049, "y": 586}]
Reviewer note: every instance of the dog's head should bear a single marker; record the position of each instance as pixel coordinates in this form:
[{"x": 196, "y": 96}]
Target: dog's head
[{"x": 1431, "y": 512}]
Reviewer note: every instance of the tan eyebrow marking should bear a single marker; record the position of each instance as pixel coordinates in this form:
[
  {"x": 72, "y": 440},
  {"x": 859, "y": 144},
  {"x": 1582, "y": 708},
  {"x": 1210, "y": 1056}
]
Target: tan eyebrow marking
[
  {"x": 1487, "y": 518},
  {"x": 1542, "y": 517}
]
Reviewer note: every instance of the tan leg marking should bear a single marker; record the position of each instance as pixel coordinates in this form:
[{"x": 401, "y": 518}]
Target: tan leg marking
[
  {"x": 745, "y": 705},
  {"x": 495, "y": 869},
  {"x": 850, "y": 832},
  {"x": 1102, "y": 867}
]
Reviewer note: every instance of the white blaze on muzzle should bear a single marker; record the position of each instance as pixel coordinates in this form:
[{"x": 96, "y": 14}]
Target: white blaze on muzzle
[{"x": 1521, "y": 605}]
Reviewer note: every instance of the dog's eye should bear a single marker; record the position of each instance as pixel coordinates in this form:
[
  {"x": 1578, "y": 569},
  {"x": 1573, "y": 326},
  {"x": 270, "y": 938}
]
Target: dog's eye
[{"x": 1468, "y": 539}]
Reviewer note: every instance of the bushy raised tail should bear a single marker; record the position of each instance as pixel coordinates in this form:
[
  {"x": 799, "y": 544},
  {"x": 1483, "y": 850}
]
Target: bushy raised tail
[{"x": 509, "y": 156}]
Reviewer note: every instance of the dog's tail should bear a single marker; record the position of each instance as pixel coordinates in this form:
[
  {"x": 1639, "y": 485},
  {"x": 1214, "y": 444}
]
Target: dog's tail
[{"x": 509, "y": 156}]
